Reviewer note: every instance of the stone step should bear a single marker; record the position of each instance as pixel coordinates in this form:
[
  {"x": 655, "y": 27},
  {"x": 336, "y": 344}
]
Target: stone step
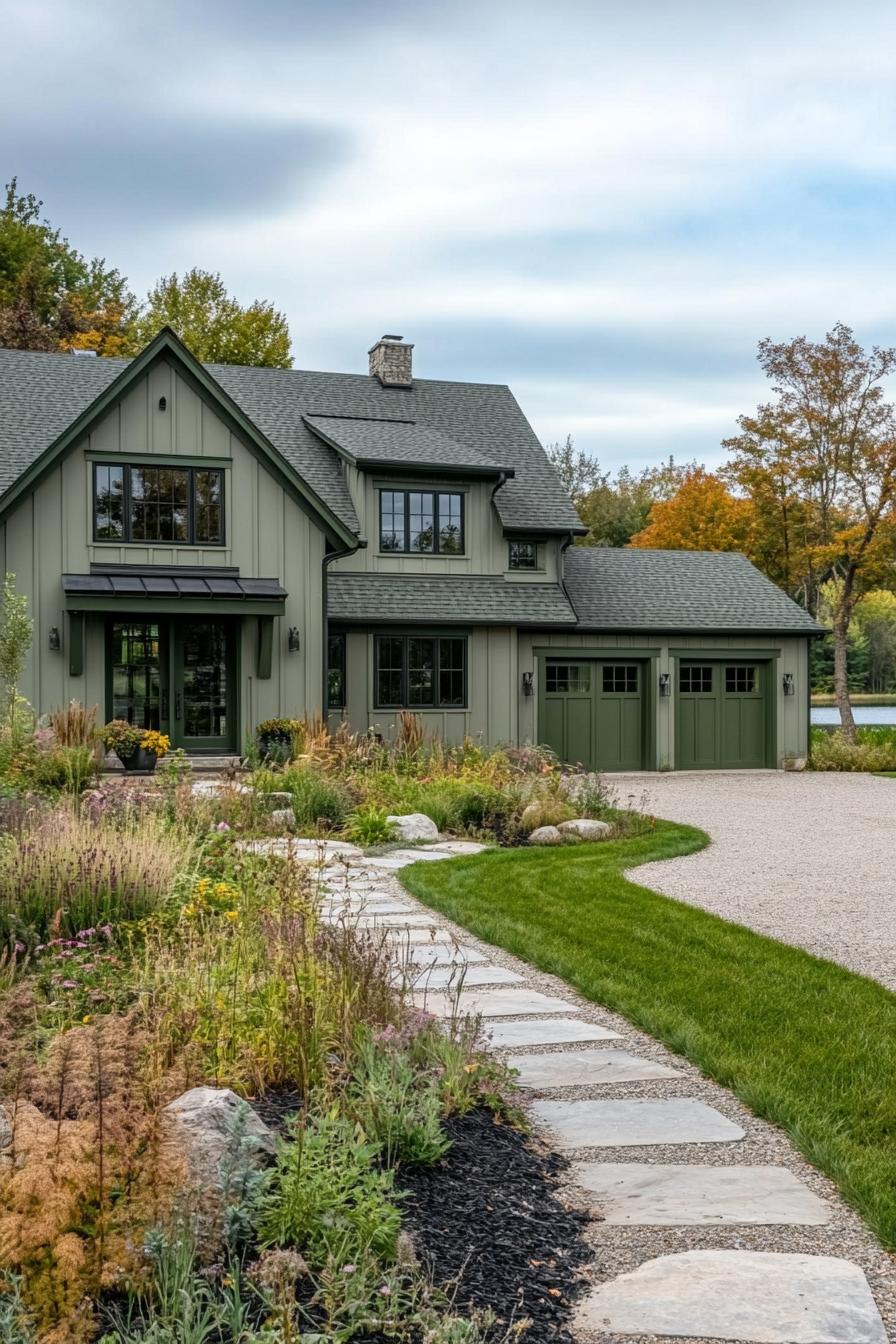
[
  {"x": 505, "y": 1003},
  {"x": 761, "y": 1296},
  {"x": 586, "y": 1068},
  {"x": 545, "y": 1031},
  {"x": 668, "y": 1195},
  {"x": 439, "y": 954},
  {"x": 443, "y": 977},
  {"x": 622, "y": 1124},
  {"x": 406, "y": 934},
  {"x": 346, "y": 911}
]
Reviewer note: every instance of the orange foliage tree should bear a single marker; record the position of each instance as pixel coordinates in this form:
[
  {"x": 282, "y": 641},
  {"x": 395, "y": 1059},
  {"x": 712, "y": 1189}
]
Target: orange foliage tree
[{"x": 703, "y": 515}]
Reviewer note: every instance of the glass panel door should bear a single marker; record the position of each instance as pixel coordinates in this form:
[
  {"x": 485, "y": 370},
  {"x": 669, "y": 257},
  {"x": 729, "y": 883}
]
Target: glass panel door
[
  {"x": 136, "y": 667},
  {"x": 202, "y": 717}
]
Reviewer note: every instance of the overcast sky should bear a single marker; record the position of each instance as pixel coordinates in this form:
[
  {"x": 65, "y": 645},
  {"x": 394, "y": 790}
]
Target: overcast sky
[{"x": 605, "y": 205}]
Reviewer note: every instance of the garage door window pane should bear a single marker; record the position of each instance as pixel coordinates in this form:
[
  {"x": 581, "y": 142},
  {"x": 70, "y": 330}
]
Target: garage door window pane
[
  {"x": 695, "y": 680},
  {"x": 568, "y": 679},
  {"x": 740, "y": 680},
  {"x": 620, "y": 678}
]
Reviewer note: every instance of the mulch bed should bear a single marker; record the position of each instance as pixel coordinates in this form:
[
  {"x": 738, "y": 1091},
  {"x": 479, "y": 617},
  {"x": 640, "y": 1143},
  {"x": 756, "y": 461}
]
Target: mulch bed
[{"x": 487, "y": 1218}]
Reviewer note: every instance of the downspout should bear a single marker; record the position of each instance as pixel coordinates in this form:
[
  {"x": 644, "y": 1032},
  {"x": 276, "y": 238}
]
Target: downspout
[{"x": 328, "y": 559}]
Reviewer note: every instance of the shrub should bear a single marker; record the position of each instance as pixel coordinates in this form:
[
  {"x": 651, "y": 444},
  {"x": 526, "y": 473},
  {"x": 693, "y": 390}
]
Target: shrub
[
  {"x": 74, "y": 726},
  {"x": 328, "y": 1199},
  {"x": 368, "y": 826},
  {"x": 64, "y": 873},
  {"x": 316, "y": 799},
  {"x": 874, "y": 750},
  {"x": 397, "y": 1103},
  {"x": 41, "y": 766}
]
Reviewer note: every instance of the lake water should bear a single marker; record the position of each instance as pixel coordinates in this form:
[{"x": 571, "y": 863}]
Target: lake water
[{"x": 829, "y": 715}]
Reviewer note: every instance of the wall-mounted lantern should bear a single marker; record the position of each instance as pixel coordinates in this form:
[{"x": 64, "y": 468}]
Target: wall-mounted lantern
[
  {"x": 527, "y": 683},
  {"x": 789, "y": 688},
  {"x": 293, "y": 642},
  {"x": 54, "y": 639},
  {"x": 665, "y": 684}
]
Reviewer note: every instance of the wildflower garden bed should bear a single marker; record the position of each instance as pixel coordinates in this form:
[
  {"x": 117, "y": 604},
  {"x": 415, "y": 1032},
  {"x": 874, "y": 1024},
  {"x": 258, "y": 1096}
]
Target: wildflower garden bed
[{"x": 145, "y": 953}]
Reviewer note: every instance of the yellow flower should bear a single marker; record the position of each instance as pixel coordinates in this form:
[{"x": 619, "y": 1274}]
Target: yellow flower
[
  {"x": 232, "y": 915},
  {"x": 87, "y": 1019}
]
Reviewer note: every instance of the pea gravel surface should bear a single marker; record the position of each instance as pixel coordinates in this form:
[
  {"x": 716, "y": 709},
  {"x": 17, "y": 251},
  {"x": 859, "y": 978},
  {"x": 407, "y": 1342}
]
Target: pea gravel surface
[
  {"x": 809, "y": 859},
  {"x": 620, "y": 1249}
]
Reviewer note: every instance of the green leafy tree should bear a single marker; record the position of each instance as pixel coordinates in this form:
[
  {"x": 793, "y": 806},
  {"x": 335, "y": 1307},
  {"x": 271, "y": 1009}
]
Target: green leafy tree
[
  {"x": 875, "y": 618},
  {"x": 616, "y": 510},
  {"x": 212, "y": 323},
  {"x": 51, "y": 297},
  {"x": 16, "y": 630},
  {"x": 578, "y": 472}
]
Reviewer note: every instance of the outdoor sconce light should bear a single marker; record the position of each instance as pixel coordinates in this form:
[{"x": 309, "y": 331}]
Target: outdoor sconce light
[
  {"x": 789, "y": 688},
  {"x": 293, "y": 643},
  {"x": 527, "y": 683},
  {"x": 54, "y": 641},
  {"x": 665, "y": 684}
]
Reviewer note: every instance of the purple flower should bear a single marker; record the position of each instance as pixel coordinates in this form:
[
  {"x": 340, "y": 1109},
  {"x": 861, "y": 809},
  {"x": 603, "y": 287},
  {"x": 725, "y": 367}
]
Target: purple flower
[
  {"x": 106, "y": 930},
  {"x": 385, "y": 1290},
  {"x": 222, "y": 826},
  {"x": 69, "y": 984},
  {"x": 19, "y": 948},
  {"x": 86, "y": 933}
]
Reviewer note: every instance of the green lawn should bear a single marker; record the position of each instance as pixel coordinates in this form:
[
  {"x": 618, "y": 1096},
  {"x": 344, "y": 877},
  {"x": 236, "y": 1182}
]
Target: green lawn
[{"x": 803, "y": 1042}]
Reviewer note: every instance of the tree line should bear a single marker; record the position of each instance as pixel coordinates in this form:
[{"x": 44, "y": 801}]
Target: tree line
[
  {"x": 807, "y": 492},
  {"x": 52, "y": 297}
]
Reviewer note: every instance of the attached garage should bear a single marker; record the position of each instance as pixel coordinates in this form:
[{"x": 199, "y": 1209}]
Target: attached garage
[
  {"x": 594, "y": 712},
  {"x": 724, "y": 714}
]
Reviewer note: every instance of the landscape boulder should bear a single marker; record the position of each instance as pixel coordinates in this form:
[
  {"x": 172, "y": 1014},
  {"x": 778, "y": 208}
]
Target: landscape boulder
[
  {"x": 414, "y": 826},
  {"x": 586, "y": 828},
  {"x": 207, "y": 1125},
  {"x": 546, "y": 835},
  {"x": 284, "y": 817}
]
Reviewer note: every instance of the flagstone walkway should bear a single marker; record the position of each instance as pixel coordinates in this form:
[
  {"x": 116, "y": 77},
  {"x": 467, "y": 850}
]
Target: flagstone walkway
[{"x": 709, "y": 1224}]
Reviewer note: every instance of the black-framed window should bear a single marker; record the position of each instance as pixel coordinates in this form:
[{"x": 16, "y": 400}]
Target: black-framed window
[
  {"x": 695, "y": 679},
  {"x": 620, "y": 678},
  {"x": 740, "y": 679},
  {"x": 158, "y": 504},
  {"x": 567, "y": 679},
  {"x": 523, "y": 555},
  {"x": 422, "y": 522},
  {"x": 420, "y": 672},
  {"x": 336, "y": 672}
]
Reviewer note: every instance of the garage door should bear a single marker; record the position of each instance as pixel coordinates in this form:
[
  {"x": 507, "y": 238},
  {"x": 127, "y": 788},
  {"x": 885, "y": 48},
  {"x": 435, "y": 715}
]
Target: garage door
[
  {"x": 722, "y": 715},
  {"x": 592, "y": 713}
]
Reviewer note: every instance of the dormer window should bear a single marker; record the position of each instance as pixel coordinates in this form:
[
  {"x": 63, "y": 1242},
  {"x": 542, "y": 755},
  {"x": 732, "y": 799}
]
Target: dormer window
[
  {"x": 523, "y": 555},
  {"x": 422, "y": 522}
]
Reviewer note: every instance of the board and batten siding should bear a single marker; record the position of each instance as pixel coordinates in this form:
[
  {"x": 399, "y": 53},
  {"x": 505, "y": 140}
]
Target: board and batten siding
[
  {"x": 485, "y": 546},
  {"x": 267, "y": 535},
  {"x": 499, "y": 713}
]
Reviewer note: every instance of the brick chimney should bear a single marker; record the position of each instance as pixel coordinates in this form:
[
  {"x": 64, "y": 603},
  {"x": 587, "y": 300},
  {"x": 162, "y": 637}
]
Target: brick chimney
[{"x": 390, "y": 361}]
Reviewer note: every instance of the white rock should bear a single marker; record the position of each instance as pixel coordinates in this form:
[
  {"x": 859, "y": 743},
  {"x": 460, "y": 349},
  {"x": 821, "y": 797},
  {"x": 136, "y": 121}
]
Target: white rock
[
  {"x": 586, "y": 828},
  {"x": 285, "y": 817},
  {"x": 546, "y": 835},
  {"x": 414, "y": 826},
  {"x": 740, "y": 1295},
  {"x": 206, "y": 1124}
]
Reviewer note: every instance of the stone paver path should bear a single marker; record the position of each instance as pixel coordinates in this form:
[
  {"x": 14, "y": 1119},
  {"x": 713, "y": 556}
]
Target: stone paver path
[{"x": 711, "y": 1225}]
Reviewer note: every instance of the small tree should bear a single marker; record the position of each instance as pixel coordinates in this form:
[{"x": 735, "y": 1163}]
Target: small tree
[
  {"x": 16, "y": 630},
  {"x": 215, "y": 326},
  {"x": 578, "y": 472}
]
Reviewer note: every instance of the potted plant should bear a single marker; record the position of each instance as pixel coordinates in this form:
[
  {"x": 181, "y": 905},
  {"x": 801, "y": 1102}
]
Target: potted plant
[
  {"x": 138, "y": 749},
  {"x": 275, "y": 738}
]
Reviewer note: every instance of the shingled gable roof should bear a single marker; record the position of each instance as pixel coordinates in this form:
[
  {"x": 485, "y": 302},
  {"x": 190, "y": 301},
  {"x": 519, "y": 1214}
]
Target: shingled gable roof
[
  {"x": 50, "y": 407},
  {"x": 43, "y": 395},
  {"x": 403, "y": 444},
  {"x": 409, "y": 599},
  {"x": 711, "y": 591}
]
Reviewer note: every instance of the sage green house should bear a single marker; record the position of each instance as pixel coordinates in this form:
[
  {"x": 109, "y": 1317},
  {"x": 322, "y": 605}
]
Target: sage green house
[{"x": 207, "y": 546}]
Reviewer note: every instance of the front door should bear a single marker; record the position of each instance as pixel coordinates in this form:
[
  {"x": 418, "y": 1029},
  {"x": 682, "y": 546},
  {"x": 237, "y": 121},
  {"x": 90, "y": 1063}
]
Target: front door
[{"x": 176, "y": 675}]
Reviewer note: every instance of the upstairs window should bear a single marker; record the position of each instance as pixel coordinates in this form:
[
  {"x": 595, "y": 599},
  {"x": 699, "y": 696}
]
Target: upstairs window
[
  {"x": 158, "y": 505},
  {"x": 422, "y": 522},
  {"x": 523, "y": 555}
]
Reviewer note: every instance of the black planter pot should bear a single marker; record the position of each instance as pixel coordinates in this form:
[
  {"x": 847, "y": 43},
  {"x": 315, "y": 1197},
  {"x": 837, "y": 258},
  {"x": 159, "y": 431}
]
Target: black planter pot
[{"x": 140, "y": 762}]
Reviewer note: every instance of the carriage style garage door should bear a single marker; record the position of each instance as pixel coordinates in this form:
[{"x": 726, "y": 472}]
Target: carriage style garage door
[
  {"x": 722, "y": 713},
  {"x": 592, "y": 713}
]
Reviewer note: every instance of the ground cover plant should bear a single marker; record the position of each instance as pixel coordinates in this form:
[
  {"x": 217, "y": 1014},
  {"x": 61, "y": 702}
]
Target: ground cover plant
[
  {"x": 874, "y": 749},
  {"x": 803, "y": 1042}
]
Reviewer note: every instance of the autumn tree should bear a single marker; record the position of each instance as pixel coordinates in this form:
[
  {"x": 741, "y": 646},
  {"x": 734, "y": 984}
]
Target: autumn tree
[
  {"x": 821, "y": 457},
  {"x": 212, "y": 323},
  {"x": 51, "y": 297},
  {"x": 703, "y": 515},
  {"x": 616, "y": 509}
]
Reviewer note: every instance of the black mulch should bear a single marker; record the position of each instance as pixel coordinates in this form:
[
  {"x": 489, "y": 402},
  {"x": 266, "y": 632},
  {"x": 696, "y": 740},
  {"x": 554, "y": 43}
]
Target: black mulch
[{"x": 487, "y": 1217}]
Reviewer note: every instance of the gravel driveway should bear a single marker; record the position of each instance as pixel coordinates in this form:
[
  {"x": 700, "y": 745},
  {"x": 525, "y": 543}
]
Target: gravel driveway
[{"x": 809, "y": 859}]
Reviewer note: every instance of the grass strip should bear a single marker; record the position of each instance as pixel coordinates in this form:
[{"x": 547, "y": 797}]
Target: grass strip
[{"x": 803, "y": 1042}]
